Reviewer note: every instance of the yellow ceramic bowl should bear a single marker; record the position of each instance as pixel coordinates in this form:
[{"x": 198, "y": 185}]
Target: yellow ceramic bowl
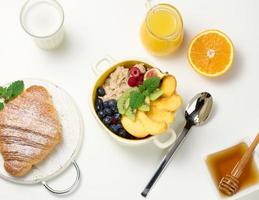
[{"x": 102, "y": 76}]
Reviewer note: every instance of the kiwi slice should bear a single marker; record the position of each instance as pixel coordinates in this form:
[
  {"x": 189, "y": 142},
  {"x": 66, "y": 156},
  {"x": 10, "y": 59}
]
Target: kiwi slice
[
  {"x": 147, "y": 100},
  {"x": 144, "y": 108},
  {"x": 123, "y": 101},
  {"x": 130, "y": 114},
  {"x": 156, "y": 94}
]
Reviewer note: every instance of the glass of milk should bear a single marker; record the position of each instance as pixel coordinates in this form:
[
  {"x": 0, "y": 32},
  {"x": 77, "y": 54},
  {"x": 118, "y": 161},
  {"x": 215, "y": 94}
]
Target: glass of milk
[{"x": 43, "y": 20}]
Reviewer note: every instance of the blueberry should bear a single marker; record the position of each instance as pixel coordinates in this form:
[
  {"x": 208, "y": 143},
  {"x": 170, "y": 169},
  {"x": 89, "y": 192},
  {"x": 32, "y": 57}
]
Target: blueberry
[
  {"x": 105, "y": 104},
  {"x": 129, "y": 136},
  {"x": 123, "y": 133},
  {"x": 98, "y": 107},
  {"x": 98, "y": 100},
  {"x": 98, "y": 104},
  {"x": 117, "y": 116},
  {"x": 101, "y": 114},
  {"x": 115, "y": 109},
  {"x": 107, "y": 111},
  {"x": 119, "y": 126},
  {"x": 112, "y": 103},
  {"x": 107, "y": 120},
  {"x": 100, "y": 92},
  {"x": 114, "y": 128}
]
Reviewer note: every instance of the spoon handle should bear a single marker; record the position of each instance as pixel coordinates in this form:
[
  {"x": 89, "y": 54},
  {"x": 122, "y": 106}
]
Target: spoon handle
[{"x": 166, "y": 159}]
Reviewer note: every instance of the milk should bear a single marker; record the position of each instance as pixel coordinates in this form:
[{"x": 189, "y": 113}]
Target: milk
[{"x": 43, "y": 20}]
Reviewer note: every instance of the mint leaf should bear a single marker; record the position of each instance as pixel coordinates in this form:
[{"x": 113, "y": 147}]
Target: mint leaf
[
  {"x": 1, "y": 106},
  {"x": 142, "y": 88},
  {"x": 10, "y": 92},
  {"x": 2, "y": 91},
  {"x": 146, "y": 93},
  {"x": 136, "y": 100},
  {"x": 152, "y": 84},
  {"x": 15, "y": 89},
  {"x": 7, "y": 95}
]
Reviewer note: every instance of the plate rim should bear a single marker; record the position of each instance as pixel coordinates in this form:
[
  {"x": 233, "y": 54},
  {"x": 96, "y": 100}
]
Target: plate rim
[{"x": 75, "y": 152}]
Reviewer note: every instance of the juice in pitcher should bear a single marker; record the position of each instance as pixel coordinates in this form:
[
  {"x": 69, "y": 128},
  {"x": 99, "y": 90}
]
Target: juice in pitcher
[{"x": 162, "y": 31}]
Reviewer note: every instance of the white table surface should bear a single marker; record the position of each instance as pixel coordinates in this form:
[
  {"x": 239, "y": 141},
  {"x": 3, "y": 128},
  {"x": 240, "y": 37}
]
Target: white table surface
[{"x": 95, "y": 28}]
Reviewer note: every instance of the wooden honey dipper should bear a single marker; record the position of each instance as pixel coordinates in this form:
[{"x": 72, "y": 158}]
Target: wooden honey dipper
[{"x": 229, "y": 184}]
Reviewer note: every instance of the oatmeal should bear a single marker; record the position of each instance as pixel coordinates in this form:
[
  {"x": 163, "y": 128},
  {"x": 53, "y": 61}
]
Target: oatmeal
[{"x": 116, "y": 83}]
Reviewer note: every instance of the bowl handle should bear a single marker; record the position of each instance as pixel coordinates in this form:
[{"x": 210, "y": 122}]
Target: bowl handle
[
  {"x": 96, "y": 68},
  {"x": 168, "y": 142},
  {"x": 148, "y": 4},
  {"x": 68, "y": 190}
]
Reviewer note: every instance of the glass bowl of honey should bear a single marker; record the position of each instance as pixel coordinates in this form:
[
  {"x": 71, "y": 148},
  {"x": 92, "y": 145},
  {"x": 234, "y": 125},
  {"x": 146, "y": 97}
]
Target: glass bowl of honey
[{"x": 221, "y": 162}]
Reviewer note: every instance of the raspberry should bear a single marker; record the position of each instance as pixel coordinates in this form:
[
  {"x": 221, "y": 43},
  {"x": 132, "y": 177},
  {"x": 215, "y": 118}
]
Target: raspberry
[
  {"x": 135, "y": 72},
  {"x": 132, "y": 82},
  {"x": 140, "y": 79}
]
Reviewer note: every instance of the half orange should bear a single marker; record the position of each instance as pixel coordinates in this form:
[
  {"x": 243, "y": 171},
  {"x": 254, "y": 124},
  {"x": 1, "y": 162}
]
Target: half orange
[{"x": 211, "y": 53}]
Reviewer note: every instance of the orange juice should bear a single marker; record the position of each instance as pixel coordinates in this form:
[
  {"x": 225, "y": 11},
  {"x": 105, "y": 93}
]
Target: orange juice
[{"x": 162, "y": 31}]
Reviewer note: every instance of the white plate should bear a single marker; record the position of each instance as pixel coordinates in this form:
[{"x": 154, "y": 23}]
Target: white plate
[{"x": 65, "y": 153}]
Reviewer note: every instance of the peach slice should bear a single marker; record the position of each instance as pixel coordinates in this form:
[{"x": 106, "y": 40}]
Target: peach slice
[
  {"x": 135, "y": 128},
  {"x": 151, "y": 126},
  {"x": 171, "y": 103},
  {"x": 161, "y": 115},
  {"x": 168, "y": 85}
]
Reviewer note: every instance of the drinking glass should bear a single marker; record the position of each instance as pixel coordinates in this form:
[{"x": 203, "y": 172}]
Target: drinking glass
[{"x": 43, "y": 20}]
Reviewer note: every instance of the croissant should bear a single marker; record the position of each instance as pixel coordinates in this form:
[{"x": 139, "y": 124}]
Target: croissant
[{"x": 29, "y": 130}]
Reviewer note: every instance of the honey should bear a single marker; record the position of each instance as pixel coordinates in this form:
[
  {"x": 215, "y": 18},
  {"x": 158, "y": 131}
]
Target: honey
[{"x": 223, "y": 162}]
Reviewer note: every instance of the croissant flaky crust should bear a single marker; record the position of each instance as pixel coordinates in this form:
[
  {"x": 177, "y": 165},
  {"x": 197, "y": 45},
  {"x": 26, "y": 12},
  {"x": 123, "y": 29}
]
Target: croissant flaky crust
[{"x": 29, "y": 130}]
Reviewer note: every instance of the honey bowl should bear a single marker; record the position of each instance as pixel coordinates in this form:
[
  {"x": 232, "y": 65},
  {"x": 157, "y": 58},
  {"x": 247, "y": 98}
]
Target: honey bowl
[{"x": 222, "y": 162}]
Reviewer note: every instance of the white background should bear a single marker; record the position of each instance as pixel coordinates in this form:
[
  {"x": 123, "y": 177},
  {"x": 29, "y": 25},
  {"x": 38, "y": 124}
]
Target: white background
[{"x": 95, "y": 28}]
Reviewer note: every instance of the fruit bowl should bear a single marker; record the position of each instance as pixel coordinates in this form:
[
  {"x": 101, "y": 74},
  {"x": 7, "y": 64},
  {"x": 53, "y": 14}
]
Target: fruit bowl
[{"x": 102, "y": 76}]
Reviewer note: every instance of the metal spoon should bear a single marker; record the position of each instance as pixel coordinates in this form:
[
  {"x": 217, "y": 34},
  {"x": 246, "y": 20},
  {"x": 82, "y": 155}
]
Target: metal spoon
[{"x": 196, "y": 113}]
